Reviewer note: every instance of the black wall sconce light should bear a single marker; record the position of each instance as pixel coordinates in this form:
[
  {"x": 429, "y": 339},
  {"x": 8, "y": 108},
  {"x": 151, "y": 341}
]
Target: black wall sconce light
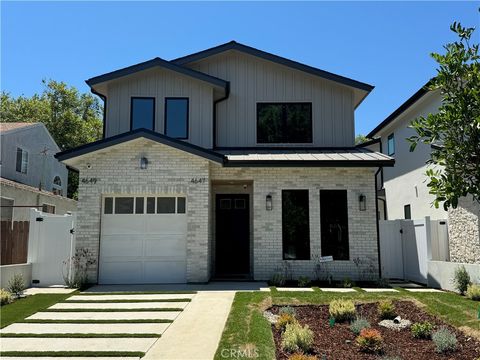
[
  {"x": 143, "y": 163},
  {"x": 362, "y": 200},
  {"x": 268, "y": 202}
]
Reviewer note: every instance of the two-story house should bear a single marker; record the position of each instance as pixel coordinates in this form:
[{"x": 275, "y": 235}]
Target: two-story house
[
  {"x": 226, "y": 163},
  {"x": 402, "y": 190},
  {"x": 30, "y": 174}
]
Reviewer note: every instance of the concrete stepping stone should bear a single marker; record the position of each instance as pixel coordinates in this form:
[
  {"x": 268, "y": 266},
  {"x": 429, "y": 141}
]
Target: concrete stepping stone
[
  {"x": 52, "y": 328},
  {"x": 293, "y": 289},
  {"x": 265, "y": 289},
  {"x": 370, "y": 290},
  {"x": 424, "y": 290},
  {"x": 77, "y": 344},
  {"x": 138, "y": 297},
  {"x": 68, "y": 358},
  {"x": 113, "y": 315},
  {"x": 340, "y": 290},
  {"x": 113, "y": 306}
]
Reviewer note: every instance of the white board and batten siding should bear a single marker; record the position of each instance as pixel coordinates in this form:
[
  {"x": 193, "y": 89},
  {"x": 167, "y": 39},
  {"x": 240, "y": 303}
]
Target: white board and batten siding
[
  {"x": 143, "y": 248},
  {"x": 255, "y": 80}
]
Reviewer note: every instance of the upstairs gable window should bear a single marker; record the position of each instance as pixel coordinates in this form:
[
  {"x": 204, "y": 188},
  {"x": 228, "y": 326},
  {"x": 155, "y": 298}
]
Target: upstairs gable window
[
  {"x": 391, "y": 145},
  {"x": 22, "y": 161},
  {"x": 284, "y": 123},
  {"x": 142, "y": 113},
  {"x": 176, "y": 118}
]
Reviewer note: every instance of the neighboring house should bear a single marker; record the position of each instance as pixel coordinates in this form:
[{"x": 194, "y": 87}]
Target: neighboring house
[
  {"x": 402, "y": 189},
  {"x": 230, "y": 163},
  {"x": 30, "y": 174}
]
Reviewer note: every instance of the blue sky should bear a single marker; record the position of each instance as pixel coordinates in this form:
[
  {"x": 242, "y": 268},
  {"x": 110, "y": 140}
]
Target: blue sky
[{"x": 386, "y": 44}]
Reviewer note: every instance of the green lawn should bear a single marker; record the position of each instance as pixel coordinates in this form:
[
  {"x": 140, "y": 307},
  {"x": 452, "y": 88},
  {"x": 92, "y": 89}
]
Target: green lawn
[
  {"x": 247, "y": 329},
  {"x": 22, "y": 308}
]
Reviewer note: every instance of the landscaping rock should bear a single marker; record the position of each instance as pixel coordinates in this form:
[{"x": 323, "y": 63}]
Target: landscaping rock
[
  {"x": 272, "y": 318},
  {"x": 395, "y": 324}
]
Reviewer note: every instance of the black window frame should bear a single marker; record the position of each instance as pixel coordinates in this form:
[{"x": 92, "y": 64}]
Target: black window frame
[
  {"x": 324, "y": 246},
  {"x": 153, "y": 113},
  {"x": 307, "y": 251},
  {"x": 391, "y": 136},
  {"x": 407, "y": 208},
  {"x": 22, "y": 152},
  {"x": 284, "y": 121},
  {"x": 187, "y": 125}
]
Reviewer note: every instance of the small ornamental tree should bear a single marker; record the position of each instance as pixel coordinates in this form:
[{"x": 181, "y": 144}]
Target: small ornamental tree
[{"x": 454, "y": 131}]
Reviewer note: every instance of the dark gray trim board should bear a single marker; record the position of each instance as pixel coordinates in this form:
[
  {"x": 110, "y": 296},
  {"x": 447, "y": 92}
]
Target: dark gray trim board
[
  {"x": 412, "y": 100},
  {"x": 233, "y": 45},
  {"x": 160, "y": 63},
  {"x": 309, "y": 163},
  {"x": 136, "y": 134}
]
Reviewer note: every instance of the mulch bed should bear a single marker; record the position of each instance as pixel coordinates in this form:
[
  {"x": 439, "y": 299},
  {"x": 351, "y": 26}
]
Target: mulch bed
[{"x": 338, "y": 343}]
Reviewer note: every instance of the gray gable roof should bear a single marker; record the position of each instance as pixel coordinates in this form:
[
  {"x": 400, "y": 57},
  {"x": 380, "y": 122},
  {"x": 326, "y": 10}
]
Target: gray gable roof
[
  {"x": 157, "y": 62},
  {"x": 233, "y": 45}
]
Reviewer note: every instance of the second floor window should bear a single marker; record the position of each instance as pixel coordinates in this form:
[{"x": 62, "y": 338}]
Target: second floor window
[
  {"x": 176, "y": 117},
  {"x": 142, "y": 113},
  {"x": 284, "y": 123},
  {"x": 22, "y": 161},
  {"x": 391, "y": 145}
]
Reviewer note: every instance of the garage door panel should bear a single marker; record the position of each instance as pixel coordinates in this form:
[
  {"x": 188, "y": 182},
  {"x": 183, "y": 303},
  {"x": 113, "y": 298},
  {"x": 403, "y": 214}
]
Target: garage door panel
[
  {"x": 122, "y": 245},
  {"x": 165, "y": 223},
  {"x": 165, "y": 271},
  {"x": 122, "y": 224},
  {"x": 173, "y": 245},
  {"x": 130, "y": 271}
]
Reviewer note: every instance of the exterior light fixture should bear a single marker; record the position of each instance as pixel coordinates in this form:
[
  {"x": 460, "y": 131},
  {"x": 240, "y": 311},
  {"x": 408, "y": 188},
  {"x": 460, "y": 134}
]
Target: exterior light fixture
[
  {"x": 143, "y": 163},
  {"x": 268, "y": 202},
  {"x": 362, "y": 200}
]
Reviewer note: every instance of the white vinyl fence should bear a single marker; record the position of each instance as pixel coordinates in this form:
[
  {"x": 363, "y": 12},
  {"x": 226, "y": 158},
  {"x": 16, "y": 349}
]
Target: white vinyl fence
[
  {"x": 51, "y": 241},
  {"x": 406, "y": 246}
]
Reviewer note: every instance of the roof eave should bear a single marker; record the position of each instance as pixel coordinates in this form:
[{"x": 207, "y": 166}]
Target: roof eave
[{"x": 310, "y": 163}]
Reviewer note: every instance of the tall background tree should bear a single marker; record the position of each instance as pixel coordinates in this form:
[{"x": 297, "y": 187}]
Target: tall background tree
[
  {"x": 455, "y": 129},
  {"x": 71, "y": 117}
]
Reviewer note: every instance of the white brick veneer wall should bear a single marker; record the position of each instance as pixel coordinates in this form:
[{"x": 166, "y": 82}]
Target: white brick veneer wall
[
  {"x": 169, "y": 172},
  {"x": 267, "y": 225}
]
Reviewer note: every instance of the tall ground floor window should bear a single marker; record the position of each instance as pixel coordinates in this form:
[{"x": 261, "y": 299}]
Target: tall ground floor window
[
  {"x": 295, "y": 225},
  {"x": 334, "y": 224}
]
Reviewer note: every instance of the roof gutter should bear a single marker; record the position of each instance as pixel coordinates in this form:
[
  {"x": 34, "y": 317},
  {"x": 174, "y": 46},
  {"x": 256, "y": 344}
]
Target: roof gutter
[
  {"x": 214, "y": 125},
  {"x": 104, "y": 98}
]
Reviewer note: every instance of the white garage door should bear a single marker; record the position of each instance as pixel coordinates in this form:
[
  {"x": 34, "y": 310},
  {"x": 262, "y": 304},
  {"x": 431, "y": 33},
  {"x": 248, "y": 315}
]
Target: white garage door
[{"x": 143, "y": 240}]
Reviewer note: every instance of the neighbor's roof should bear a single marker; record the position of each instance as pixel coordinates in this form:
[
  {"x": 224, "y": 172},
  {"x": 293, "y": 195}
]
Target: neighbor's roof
[
  {"x": 326, "y": 157},
  {"x": 157, "y": 62},
  {"x": 332, "y": 157},
  {"x": 9, "y": 126},
  {"x": 402, "y": 108},
  {"x": 20, "y": 186}
]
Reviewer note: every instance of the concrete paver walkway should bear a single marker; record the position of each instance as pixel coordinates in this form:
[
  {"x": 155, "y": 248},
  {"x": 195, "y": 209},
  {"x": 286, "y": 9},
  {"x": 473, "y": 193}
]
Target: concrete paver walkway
[
  {"x": 98, "y": 315},
  {"x": 120, "y": 306},
  {"x": 138, "y": 297},
  {"x": 196, "y": 332}
]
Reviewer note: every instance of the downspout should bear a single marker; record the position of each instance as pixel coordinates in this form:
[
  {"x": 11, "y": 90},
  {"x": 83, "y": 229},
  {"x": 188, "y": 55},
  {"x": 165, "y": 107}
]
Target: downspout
[
  {"x": 104, "y": 99},
  {"x": 378, "y": 226},
  {"x": 214, "y": 125}
]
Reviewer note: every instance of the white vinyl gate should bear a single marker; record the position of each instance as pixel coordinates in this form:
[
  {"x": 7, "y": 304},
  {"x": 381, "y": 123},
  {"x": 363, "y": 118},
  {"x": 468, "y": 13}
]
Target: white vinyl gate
[
  {"x": 406, "y": 246},
  {"x": 51, "y": 242}
]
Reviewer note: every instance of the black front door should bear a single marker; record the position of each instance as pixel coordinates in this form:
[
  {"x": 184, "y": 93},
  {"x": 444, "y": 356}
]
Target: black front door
[{"x": 232, "y": 240}]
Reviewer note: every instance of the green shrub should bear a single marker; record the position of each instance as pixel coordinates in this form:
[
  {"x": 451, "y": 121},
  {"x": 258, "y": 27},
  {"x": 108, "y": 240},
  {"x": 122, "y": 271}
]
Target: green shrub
[
  {"x": 370, "y": 341},
  {"x": 347, "y": 282},
  {"x": 16, "y": 285},
  {"x": 342, "y": 310},
  {"x": 283, "y": 320},
  {"x": 287, "y": 310},
  {"x": 302, "y": 356},
  {"x": 359, "y": 324},
  {"x": 422, "y": 330},
  {"x": 303, "y": 281},
  {"x": 277, "y": 279},
  {"x": 297, "y": 338},
  {"x": 445, "y": 341},
  {"x": 473, "y": 292},
  {"x": 386, "y": 310},
  {"x": 461, "y": 279},
  {"x": 5, "y": 297}
]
